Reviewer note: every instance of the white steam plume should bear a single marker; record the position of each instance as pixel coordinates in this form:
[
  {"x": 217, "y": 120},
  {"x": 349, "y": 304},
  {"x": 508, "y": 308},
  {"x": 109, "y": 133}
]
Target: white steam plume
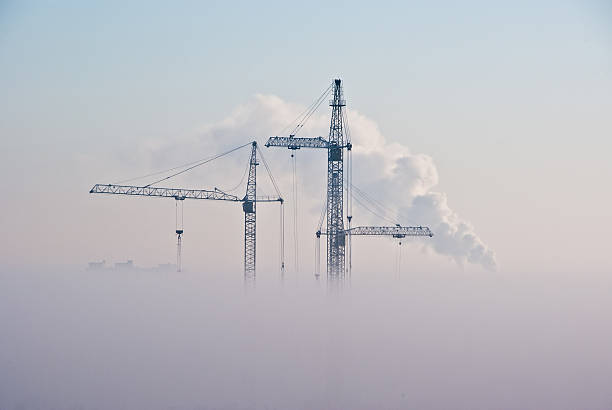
[{"x": 401, "y": 181}]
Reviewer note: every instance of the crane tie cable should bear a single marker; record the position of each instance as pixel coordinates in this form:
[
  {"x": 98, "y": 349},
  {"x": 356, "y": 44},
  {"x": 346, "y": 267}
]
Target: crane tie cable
[
  {"x": 198, "y": 164},
  {"x": 295, "y": 212},
  {"x": 263, "y": 159},
  {"x": 300, "y": 118},
  {"x": 318, "y": 103},
  {"x": 381, "y": 208}
]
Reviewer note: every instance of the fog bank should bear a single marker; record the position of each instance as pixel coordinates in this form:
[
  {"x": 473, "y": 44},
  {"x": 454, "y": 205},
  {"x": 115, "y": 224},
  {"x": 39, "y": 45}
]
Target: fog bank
[{"x": 200, "y": 340}]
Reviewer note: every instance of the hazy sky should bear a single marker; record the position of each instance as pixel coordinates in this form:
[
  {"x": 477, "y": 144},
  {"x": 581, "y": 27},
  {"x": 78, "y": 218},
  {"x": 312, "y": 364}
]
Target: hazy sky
[
  {"x": 510, "y": 100},
  {"x": 489, "y": 121}
]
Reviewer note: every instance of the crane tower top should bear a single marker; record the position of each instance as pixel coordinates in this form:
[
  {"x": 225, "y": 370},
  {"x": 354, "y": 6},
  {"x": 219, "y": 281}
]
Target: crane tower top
[{"x": 338, "y": 100}]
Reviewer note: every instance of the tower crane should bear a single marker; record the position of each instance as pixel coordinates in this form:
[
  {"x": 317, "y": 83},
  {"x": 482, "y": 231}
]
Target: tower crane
[
  {"x": 335, "y": 145},
  {"x": 397, "y": 231},
  {"x": 249, "y": 202}
]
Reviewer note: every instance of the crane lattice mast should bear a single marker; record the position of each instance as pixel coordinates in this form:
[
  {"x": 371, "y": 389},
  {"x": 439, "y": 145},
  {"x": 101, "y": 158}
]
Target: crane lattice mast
[
  {"x": 335, "y": 183},
  {"x": 248, "y": 206}
]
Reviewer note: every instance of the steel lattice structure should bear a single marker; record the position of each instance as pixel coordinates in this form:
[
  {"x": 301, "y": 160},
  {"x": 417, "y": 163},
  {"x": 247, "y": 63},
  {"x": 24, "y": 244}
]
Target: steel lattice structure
[
  {"x": 248, "y": 206},
  {"x": 296, "y": 143},
  {"x": 335, "y": 145},
  {"x": 394, "y": 231},
  {"x": 335, "y": 184},
  {"x": 249, "y": 202},
  {"x": 162, "y": 192}
]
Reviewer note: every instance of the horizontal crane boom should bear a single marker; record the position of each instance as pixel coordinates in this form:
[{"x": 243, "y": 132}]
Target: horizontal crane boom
[
  {"x": 297, "y": 143},
  {"x": 269, "y": 199},
  {"x": 179, "y": 193},
  {"x": 163, "y": 192},
  {"x": 395, "y": 231}
]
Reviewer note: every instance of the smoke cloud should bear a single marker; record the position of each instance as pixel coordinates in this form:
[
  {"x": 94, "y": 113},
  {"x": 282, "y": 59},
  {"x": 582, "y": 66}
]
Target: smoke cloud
[{"x": 401, "y": 183}]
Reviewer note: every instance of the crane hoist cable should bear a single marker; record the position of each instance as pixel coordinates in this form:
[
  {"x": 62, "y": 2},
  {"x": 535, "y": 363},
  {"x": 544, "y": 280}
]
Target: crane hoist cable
[
  {"x": 322, "y": 216},
  {"x": 282, "y": 211},
  {"x": 349, "y": 189},
  {"x": 317, "y": 256},
  {"x": 318, "y": 239},
  {"x": 295, "y": 212},
  {"x": 398, "y": 261},
  {"x": 179, "y": 226},
  {"x": 282, "y": 239}
]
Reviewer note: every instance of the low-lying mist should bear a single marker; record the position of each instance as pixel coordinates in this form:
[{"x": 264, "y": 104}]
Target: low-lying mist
[{"x": 201, "y": 340}]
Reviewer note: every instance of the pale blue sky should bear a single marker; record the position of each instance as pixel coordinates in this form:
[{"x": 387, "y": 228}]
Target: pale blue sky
[{"x": 511, "y": 99}]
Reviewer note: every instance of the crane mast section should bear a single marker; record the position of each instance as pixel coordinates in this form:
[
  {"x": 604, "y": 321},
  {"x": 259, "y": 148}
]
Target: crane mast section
[
  {"x": 249, "y": 208},
  {"x": 163, "y": 192},
  {"x": 335, "y": 179}
]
